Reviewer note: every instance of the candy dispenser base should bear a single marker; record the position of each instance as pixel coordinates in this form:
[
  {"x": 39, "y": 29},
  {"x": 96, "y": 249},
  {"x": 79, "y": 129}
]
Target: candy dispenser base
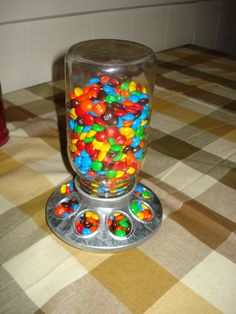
[{"x": 103, "y": 225}]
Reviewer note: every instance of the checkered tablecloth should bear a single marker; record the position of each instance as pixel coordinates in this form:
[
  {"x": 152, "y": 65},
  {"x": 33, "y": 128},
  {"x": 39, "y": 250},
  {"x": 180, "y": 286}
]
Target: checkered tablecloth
[{"x": 189, "y": 265}]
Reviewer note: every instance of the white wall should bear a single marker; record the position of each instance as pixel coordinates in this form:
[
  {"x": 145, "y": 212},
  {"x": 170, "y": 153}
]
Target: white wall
[{"x": 35, "y": 36}]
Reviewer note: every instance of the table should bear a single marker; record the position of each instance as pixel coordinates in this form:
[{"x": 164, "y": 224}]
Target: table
[{"x": 189, "y": 265}]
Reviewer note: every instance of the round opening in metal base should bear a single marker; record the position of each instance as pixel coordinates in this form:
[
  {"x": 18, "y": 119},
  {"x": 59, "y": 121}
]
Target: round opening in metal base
[
  {"x": 119, "y": 223},
  {"x": 87, "y": 223}
]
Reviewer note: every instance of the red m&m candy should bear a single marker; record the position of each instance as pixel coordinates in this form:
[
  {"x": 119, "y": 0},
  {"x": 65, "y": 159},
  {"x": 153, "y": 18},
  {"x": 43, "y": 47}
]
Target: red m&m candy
[
  {"x": 88, "y": 119},
  {"x": 101, "y": 136},
  {"x": 112, "y": 132}
]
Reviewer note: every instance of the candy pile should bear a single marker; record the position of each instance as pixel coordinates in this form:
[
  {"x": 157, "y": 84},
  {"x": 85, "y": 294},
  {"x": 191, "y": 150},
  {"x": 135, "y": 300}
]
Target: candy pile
[
  {"x": 67, "y": 188},
  {"x": 107, "y": 122},
  {"x": 87, "y": 223},
  {"x": 141, "y": 210},
  {"x": 66, "y": 208},
  {"x": 119, "y": 224},
  {"x": 142, "y": 192}
]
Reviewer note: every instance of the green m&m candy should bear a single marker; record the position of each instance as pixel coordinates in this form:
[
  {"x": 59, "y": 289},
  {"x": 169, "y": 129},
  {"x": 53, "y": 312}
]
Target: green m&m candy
[
  {"x": 96, "y": 165},
  {"x": 134, "y": 207},
  {"x": 98, "y": 128},
  {"x": 124, "y": 86},
  {"x": 120, "y": 233},
  {"x": 111, "y": 174}
]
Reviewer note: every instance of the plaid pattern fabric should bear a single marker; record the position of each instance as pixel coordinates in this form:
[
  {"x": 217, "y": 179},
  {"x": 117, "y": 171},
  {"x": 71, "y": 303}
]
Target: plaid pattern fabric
[{"x": 189, "y": 265}]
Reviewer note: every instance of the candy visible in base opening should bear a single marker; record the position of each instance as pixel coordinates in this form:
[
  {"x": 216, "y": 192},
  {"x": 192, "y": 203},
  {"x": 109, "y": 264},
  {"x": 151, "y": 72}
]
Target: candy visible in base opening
[
  {"x": 141, "y": 210},
  {"x": 87, "y": 223},
  {"x": 119, "y": 224},
  {"x": 67, "y": 188},
  {"x": 66, "y": 208},
  {"x": 142, "y": 192}
]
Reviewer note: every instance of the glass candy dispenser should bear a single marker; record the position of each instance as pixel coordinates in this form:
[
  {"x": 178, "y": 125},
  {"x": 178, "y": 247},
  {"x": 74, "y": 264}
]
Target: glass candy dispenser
[{"x": 109, "y": 85}]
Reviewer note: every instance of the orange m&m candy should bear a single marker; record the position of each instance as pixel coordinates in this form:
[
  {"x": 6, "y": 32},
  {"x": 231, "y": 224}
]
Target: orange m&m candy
[
  {"x": 99, "y": 108},
  {"x": 87, "y": 105}
]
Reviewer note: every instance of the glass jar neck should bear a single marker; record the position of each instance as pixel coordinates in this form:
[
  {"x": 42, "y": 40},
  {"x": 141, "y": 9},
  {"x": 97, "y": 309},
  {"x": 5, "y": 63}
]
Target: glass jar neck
[{"x": 101, "y": 189}]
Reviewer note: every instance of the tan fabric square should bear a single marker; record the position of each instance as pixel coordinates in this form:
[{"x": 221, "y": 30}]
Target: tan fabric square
[
  {"x": 21, "y": 97},
  {"x": 18, "y": 193},
  {"x": 214, "y": 126},
  {"x": 174, "y": 86},
  {"x": 225, "y": 114},
  {"x": 44, "y": 269},
  {"x": 20, "y": 233},
  {"x": 51, "y": 168},
  {"x": 204, "y": 224},
  {"x": 203, "y": 161},
  {"x": 182, "y": 300},
  {"x": 88, "y": 259},
  {"x": 183, "y": 78},
  {"x": 165, "y": 56},
  {"x": 221, "y": 169},
  {"x": 7, "y": 164},
  {"x": 10, "y": 220},
  {"x": 190, "y": 103},
  {"x": 156, "y": 163},
  {"x": 134, "y": 279},
  {"x": 170, "y": 146},
  {"x": 221, "y": 147},
  {"x": 36, "y": 203},
  {"x": 192, "y": 91},
  {"x": 199, "y": 186},
  {"x": 35, "y": 208},
  {"x": 29, "y": 150},
  {"x": 228, "y": 248},
  {"x": 170, "y": 190},
  {"x": 214, "y": 280},
  {"x": 179, "y": 54},
  {"x": 13, "y": 299},
  {"x": 220, "y": 90},
  {"x": 179, "y": 176},
  {"x": 40, "y": 220},
  {"x": 222, "y": 200},
  {"x": 5, "y": 205},
  {"x": 44, "y": 90},
  {"x": 40, "y": 107},
  {"x": 226, "y": 61},
  {"x": 84, "y": 296},
  {"x": 188, "y": 51},
  {"x": 194, "y": 136},
  {"x": 231, "y": 136},
  {"x": 165, "y": 123},
  {"x": 230, "y": 179},
  {"x": 172, "y": 242},
  {"x": 52, "y": 139},
  {"x": 154, "y": 134},
  {"x": 216, "y": 68},
  {"x": 159, "y": 92},
  {"x": 39, "y": 126},
  {"x": 178, "y": 112}
]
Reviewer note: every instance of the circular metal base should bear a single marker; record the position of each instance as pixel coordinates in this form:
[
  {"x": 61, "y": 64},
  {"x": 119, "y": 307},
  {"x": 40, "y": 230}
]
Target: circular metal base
[{"x": 103, "y": 239}]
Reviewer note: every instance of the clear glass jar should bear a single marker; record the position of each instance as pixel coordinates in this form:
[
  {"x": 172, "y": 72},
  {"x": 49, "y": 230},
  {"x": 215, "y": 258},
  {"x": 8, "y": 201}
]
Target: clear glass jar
[{"x": 109, "y": 85}]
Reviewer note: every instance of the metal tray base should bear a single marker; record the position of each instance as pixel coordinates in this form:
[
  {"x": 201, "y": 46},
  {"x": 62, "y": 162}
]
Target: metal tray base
[{"x": 103, "y": 240}]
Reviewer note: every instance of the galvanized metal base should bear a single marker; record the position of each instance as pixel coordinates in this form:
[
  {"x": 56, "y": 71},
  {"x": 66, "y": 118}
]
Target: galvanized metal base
[{"x": 103, "y": 240}]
